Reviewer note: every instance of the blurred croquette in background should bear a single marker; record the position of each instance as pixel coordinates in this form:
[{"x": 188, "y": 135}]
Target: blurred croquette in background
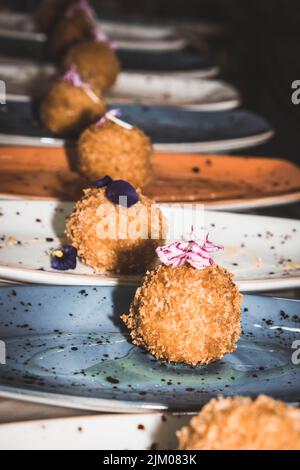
[{"x": 254, "y": 42}]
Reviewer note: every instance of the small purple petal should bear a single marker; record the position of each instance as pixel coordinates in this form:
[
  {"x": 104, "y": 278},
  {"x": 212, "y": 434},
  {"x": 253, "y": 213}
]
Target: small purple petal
[
  {"x": 122, "y": 193},
  {"x": 103, "y": 182},
  {"x": 67, "y": 261}
]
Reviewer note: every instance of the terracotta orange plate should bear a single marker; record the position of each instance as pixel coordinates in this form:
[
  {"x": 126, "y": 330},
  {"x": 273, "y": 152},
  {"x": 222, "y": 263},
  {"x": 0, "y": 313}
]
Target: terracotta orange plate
[{"x": 218, "y": 181}]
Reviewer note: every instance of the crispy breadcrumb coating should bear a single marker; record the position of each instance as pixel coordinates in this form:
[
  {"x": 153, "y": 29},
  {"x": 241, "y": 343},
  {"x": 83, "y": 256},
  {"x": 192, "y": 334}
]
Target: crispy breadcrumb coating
[
  {"x": 133, "y": 254},
  {"x": 112, "y": 150},
  {"x": 96, "y": 62},
  {"x": 69, "y": 31},
  {"x": 48, "y": 12},
  {"x": 67, "y": 110},
  {"x": 242, "y": 424},
  {"x": 186, "y": 315}
]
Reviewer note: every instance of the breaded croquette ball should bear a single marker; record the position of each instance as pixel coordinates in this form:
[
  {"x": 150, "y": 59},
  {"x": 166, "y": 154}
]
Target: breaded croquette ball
[
  {"x": 67, "y": 109},
  {"x": 186, "y": 315},
  {"x": 96, "y": 62},
  {"x": 242, "y": 424},
  {"x": 74, "y": 26},
  {"x": 110, "y": 149},
  {"x": 49, "y": 12},
  {"x": 113, "y": 238}
]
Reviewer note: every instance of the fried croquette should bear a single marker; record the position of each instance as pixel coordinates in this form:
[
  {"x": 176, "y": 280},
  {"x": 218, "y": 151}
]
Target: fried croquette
[
  {"x": 186, "y": 315},
  {"x": 67, "y": 110},
  {"x": 112, "y": 150},
  {"x": 101, "y": 232},
  {"x": 49, "y": 12},
  {"x": 69, "y": 30},
  {"x": 242, "y": 424},
  {"x": 96, "y": 62}
]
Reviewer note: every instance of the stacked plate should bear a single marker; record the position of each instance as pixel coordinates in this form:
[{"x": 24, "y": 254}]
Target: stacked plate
[{"x": 64, "y": 345}]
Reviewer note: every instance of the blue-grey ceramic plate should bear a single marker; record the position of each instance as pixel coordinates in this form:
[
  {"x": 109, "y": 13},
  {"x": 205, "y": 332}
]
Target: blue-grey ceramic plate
[
  {"x": 170, "y": 128},
  {"x": 67, "y": 346},
  {"x": 184, "y": 60}
]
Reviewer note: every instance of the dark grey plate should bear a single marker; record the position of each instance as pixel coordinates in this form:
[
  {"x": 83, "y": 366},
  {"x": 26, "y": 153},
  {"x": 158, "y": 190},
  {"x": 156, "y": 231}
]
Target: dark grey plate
[
  {"x": 66, "y": 346},
  {"x": 184, "y": 60},
  {"x": 168, "y": 127}
]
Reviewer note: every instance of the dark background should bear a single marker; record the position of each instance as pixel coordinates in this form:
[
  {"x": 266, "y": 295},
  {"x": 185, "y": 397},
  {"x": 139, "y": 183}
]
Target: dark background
[{"x": 256, "y": 44}]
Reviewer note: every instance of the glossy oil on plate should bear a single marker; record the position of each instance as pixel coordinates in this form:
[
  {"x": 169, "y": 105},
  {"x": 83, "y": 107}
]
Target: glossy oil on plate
[
  {"x": 66, "y": 346},
  {"x": 151, "y": 431},
  {"x": 218, "y": 181},
  {"x": 262, "y": 252},
  {"x": 170, "y": 129}
]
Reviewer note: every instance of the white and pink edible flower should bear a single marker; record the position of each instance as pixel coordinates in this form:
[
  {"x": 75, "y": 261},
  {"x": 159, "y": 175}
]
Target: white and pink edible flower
[
  {"x": 101, "y": 36},
  {"x": 194, "y": 252},
  {"x": 113, "y": 115},
  {"x": 73, "y": 77}
]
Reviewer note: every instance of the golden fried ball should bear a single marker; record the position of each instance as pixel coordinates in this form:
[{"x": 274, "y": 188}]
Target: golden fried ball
[
  {"x": 49, "y": 12},
  {"x": 122, "y": 252},
  {"x": 67, "y": 110},
  {"x": 242, "y": 424},
  {"x": 112, "y": 150},
  {"x": 96, "y": 62},
  {"x": 70, "y": 30},
  {"x": 186, "y": 315}
]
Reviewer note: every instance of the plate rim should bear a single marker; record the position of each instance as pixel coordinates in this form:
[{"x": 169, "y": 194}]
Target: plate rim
[
  {"x": 195, "y": 147},
  {"x": 218, "y": 206},
  {"x": 34, "y": 276}
]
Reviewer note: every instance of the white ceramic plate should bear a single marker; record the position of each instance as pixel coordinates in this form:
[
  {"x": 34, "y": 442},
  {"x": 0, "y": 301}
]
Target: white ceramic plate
[
  {"x": 106, "y": 432},
  {"x": 192, "y": 93},
  {"x": 262, "y": 252},
  {"x": 23, "y": 22},
  {"x": 126, "y": 36},
  {"x": 24, "y": 78}
]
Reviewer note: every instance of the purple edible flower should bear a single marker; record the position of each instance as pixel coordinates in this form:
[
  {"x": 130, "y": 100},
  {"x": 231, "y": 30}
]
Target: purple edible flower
[
  {"x": 122, "y": 193},
  {"x": 103, "y": 182},
  {"x": 64, "y": 258}
]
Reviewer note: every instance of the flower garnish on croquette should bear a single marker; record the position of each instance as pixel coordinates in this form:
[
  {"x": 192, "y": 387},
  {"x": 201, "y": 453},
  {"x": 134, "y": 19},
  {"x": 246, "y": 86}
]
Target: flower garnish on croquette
[
  {"x": 113, "y": 116},
  {"x": 197, "y": 253},
  {"x": 101, "y": 36},
  {"x": 118, "y": 191},
  {"x": 103, "y": 182},
  {"x": 64, "y": 258},
  {"x": 73, "y": 77},
  {"x": 81, "y": 6},
  {"x": 122, "y": 193}
]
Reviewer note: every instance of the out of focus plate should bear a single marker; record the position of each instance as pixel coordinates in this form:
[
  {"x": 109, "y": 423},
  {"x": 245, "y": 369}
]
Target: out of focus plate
[
  {"x": 170, "y": 129},
  {"x": 150, "y": 431},
  {"x": 218, "y": 181},
  {"x": 23, "y": 78}
]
